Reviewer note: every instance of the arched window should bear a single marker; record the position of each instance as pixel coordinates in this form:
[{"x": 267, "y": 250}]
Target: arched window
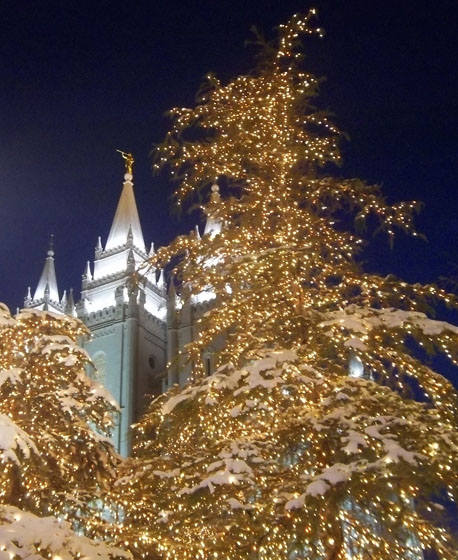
[{"x": 99, "y": 360}]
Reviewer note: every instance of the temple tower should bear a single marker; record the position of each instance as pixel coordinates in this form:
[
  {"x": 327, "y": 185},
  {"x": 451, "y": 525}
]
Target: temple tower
[
  {"x": 138, "y": 328},
  {"x": 126, "y": 319},
  {"x": 184, "y": 311}
]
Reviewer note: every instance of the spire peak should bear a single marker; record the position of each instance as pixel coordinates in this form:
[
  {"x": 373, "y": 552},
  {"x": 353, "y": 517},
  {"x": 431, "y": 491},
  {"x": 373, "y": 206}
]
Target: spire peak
[
  {"x": 212, "y": 225},
  {"x": 70, "y": 304},
  {"x": 215, "y": 196},
  {"x": 161, "y": 281},
  {"x": 47, "y": 285},
  {"x": 126, "y": 223},
  {"x": 87, "y": 271}
]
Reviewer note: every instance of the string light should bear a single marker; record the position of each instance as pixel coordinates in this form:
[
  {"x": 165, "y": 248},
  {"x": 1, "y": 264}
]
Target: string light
[
  {"x": 57, "y": 459},
  {"x": 280, "y": 453}
]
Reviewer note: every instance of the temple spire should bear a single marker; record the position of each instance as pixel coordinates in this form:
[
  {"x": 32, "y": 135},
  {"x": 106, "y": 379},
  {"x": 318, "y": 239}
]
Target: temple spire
[
  {"x": 70, "y": 304},
  {"x": 47, "y": 285},
  {"x": 126, "y": 214},
  {"x": 87, "y": 271},
  {"x": 212, "y": 225}
]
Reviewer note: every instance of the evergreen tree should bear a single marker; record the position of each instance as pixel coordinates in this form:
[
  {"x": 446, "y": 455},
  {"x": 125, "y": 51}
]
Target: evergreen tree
[
  {"x": 281, "y": 453},
  {"x": 55, "y": 421}
]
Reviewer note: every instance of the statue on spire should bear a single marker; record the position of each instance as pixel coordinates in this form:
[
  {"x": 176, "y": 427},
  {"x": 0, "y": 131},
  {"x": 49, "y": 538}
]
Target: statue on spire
[{"x": 129, "y": 160}]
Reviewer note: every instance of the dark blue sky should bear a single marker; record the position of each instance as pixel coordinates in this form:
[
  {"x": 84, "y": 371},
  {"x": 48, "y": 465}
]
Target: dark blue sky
[{"x": 80, "y": 79}]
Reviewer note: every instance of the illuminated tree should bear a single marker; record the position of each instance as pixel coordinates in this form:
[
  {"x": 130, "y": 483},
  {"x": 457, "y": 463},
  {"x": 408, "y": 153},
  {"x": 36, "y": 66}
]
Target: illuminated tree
[
  {"x": 324, "y": 435},
  {"x": 280, "y": 459},
  {"x": 54, "y": 420}
]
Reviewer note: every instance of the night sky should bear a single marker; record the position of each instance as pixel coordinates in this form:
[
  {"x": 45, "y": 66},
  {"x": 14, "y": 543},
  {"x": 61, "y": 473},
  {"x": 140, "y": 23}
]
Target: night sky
[{"x": 80, "y": 79}]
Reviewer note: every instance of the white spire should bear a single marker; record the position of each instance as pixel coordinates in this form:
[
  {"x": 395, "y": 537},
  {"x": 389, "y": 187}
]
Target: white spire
[
  {"x": 126, "y": 217},
  {"x": 70, "y": 304},
  {"x": 47, "y": 284},
  {"x": 213, "y": 226},
  {"x": 87, "y": 273}
]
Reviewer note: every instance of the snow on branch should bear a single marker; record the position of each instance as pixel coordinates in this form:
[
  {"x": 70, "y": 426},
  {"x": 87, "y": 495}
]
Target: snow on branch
[
  {"x": 25, "y": 536},
  {"x": 12, "y": 438}
]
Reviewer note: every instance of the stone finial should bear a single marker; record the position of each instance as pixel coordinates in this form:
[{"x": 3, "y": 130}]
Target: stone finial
[
  {"x": 215, "y": 196},
  {"x": 87, "y": 272}
]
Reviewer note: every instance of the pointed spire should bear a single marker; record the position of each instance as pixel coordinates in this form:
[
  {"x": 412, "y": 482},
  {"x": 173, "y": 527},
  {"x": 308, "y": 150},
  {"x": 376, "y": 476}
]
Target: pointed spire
[
  {"x": 63, "y": 301},
  {"x": 70, "y": 304},
  {"x": 215, "y": 196},
  {"x": 160, "y": 281},
  {"x": 98, "y": 250},
  {"x": 152, "y": 252},
  {"x": 87, "y": 272},
  {"x": 28, "y": 297},
  {"x": 212, "y": 226},
  {"x": 126, "y": 217},
  {"x": 48, "y": 281},
  {"x": 197, "y": 232}
]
